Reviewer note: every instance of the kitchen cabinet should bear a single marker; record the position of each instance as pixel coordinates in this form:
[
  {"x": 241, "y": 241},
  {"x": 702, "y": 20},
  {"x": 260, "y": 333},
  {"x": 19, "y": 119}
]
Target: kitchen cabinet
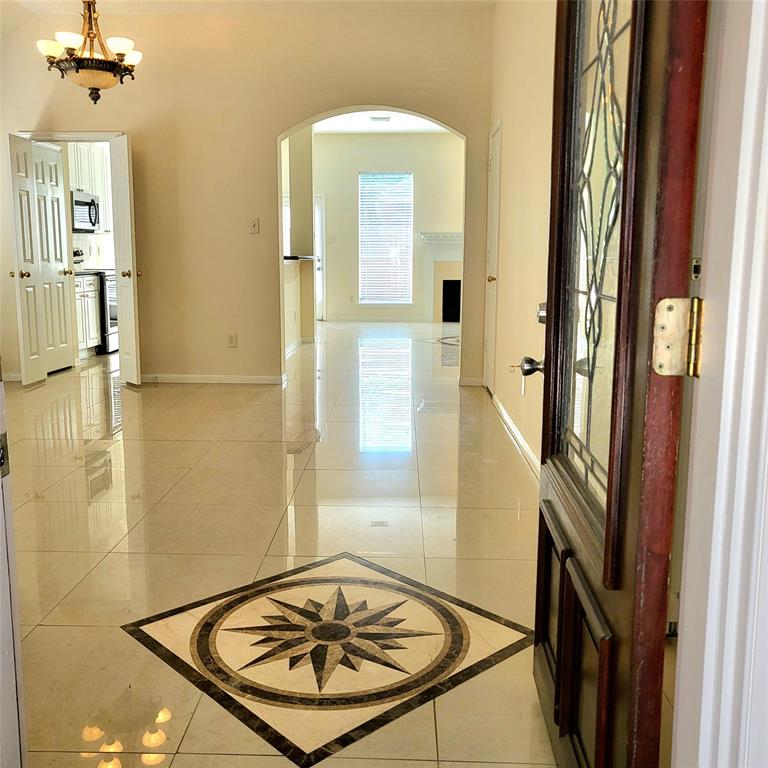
[
  {"x": 89, "y": 171},
  {"x": 88, "y": 302}
]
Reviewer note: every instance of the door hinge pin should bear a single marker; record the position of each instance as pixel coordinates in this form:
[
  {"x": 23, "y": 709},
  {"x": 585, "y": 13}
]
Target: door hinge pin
[{"x": 694, "y": 338}]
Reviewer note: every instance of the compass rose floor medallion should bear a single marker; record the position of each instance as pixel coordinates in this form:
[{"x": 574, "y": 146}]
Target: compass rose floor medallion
[{"x": 316, "y": 658}]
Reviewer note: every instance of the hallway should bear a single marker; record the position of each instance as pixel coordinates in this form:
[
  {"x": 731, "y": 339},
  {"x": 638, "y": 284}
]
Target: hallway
[{"x": 131, "y": 503}]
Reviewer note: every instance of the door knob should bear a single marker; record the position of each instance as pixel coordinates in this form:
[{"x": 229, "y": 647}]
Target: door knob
[
  {"x": 138, "y": 273},
  {"x": 11, "y": 274},
  {"x": 23, "y": 274},
  {"x": 491, "y": 278},
  {"x": 68, "y": 272},
  {"x": 529, "y": 366},
  {"x": 126, "y": 273}
]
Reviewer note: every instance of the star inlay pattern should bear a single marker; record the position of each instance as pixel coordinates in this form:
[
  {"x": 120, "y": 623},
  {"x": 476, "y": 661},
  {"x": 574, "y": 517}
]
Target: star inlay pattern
[{"x": 330, "y": 634}]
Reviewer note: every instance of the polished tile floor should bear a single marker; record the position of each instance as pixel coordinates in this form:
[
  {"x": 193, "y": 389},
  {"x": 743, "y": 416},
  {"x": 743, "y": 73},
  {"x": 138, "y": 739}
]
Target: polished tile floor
[{"x": 132, "y": 502}]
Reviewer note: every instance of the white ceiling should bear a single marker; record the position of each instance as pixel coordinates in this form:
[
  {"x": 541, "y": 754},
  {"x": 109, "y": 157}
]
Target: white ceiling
[{"x": 382, "y": 122}]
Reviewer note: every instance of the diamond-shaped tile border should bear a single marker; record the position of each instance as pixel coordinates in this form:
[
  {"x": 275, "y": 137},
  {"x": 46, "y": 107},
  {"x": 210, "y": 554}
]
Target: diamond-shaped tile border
[{"x": 267, "y": 731}]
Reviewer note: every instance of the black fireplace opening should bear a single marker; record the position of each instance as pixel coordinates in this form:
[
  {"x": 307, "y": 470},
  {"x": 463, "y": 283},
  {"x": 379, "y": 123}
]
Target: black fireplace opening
[{"x": 451, "y": 301}]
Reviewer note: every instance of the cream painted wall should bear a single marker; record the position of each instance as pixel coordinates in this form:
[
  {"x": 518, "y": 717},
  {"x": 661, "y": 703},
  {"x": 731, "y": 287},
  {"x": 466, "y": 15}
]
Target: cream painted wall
[
  {"x": 205, "y": 147},
  {"x": 523, "y": 70},
  {"x": 437, "y": 163}
]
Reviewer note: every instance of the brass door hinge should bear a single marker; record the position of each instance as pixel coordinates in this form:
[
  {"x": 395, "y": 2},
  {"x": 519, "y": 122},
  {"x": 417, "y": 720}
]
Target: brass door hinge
[{"x": 677, "y": 337}]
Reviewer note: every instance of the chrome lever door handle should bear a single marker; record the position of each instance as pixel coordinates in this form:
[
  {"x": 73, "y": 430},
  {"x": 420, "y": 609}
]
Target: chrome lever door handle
[{"x": 529, "y": 366}]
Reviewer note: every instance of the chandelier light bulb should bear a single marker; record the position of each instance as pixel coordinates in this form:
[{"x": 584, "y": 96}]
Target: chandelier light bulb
[
  {"x": 120, "y": 44},
  {"x": 50, "y": 48},
  {"x": 92, "y": 733},
  {"x": 163, "y": 716},
  {"x": 154, "y": 738},
  {"x": 134, "y": 57},
  {"x": 150, "y": 758},
  {"x": 69, "y": 39},
  {"x": 112, "y": 762},
  {"x": 115, "y": 746}
]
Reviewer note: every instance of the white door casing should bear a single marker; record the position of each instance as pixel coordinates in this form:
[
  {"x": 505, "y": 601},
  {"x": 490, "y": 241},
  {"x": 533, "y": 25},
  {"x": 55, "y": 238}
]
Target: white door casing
[
  {"x": 125, "y": 259},
  {"x": 492, "y": 257},
  {"x": 56, "y": 282},
  {"x": 319, "y": 213},
  {"x": 12, "y": 738}
]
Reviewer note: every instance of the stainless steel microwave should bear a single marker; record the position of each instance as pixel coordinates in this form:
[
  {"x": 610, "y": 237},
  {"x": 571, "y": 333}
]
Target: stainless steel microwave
[{"x": 85, "y": 212}]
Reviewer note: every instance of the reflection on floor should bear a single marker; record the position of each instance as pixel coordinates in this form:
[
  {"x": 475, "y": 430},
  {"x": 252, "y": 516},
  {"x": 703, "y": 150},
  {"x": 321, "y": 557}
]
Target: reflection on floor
[{"x": 131, "y": 503}]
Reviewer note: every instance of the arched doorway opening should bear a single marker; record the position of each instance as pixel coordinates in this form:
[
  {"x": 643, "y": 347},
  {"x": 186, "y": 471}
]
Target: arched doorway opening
[{"x": 371, "y": 206}]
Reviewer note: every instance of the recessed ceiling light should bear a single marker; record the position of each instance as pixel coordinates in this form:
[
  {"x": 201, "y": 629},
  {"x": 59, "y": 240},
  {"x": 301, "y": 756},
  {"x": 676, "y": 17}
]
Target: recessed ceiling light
[{"x": 380, "y": 118}]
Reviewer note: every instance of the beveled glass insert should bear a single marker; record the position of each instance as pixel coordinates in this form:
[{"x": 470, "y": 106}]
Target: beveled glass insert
[{"x": 595, "y": 214}]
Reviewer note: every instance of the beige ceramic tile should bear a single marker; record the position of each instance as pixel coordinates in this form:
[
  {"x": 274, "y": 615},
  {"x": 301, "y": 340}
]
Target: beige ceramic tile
[
  {"x": 501, "y": 534},
  {"x": 243, "y": 761},
  {"x": 412, "y": 567},
  {"x": 495, "y": 488},
  {"x": 45, "y": 578},
  {"x": 328, "y": 487},
  {"x": 495, "y": 717},
  {"x": 134, "y": 454},
  {"x": 365, "y": 531},
  {"x": 204, "y": 529},
  {"x": 504, "y": 587},
  {"x": 120, "y": 689},
  {"x": 257, "y": 456},
  {"x": 93, "y": 760},
  {"x": 74, "y": 526},
  {"x": 31, "y": 482},
  {"x": 126, "y": 587},
  {"x": 99, "y": 483},
  {"x": 262, "y": 487},
  {"x": 343, "y": 454},
  {"x": 48, "y": 453}
]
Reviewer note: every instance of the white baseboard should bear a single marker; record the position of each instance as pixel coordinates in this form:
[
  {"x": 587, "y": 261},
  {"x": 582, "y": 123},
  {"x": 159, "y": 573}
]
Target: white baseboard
[
  {"x": 467, "y": 381},
  {"x": 10, "y": 376},
  {"x": 207, "y": 378},
  {"x": 307, "y": 339},
  {"x": 528, "y": 453}
]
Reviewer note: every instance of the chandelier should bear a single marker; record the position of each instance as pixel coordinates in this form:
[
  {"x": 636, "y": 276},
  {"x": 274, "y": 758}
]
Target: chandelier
[{"x": 86, "y": 60}]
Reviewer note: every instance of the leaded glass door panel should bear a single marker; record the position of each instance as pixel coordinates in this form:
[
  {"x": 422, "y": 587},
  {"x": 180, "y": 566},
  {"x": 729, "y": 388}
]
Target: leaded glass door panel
[{"x": 626, "y": 97}]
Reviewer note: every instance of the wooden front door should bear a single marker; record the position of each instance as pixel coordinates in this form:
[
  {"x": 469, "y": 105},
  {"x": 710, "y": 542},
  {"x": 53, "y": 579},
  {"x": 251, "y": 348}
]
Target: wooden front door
[{"x": 627, "y": 89}]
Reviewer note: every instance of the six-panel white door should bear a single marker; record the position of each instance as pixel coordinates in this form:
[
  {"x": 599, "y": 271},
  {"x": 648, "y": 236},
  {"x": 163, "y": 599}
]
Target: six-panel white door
[{"x": 56, "y": 280}]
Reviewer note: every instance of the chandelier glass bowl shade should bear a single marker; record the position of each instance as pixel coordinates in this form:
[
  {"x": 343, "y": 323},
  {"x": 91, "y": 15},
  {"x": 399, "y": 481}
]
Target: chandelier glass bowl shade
[{"x": 88, "y": 61}]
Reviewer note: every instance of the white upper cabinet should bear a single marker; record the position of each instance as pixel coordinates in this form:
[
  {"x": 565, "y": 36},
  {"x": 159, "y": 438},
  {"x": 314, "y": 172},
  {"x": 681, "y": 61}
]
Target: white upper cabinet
[{"x": 89, "y": 172}]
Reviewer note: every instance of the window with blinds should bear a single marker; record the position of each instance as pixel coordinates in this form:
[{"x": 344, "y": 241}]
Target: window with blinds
[{"x": 386, "y": 238}]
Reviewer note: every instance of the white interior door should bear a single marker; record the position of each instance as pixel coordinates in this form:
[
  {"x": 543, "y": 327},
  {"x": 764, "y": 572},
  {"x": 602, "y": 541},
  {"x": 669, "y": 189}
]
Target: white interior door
[
  {"x": 492, "y": 258},
  {"x": 56, "y": 283},
  {"x": 125, "y": 259},
  {"x": 28, "y": 274},
  {"x": 319, "y": 213},
  {"x": 11, "y": 721}
]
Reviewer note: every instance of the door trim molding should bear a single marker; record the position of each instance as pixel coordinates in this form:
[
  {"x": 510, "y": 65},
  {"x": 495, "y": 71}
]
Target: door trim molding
[
  {"x": 721, "y": 708},
  {"x": 531, "y": 459}
]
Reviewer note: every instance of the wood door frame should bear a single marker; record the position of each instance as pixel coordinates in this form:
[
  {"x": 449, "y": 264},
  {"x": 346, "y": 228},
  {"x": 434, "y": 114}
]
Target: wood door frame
[
  {"x": 720, "y": 704},
  {"x": 665, "y": 78}
]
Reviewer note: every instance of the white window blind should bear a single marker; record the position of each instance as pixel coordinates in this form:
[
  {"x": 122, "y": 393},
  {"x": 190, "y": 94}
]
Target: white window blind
[{"x": 386, "y": 238}]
